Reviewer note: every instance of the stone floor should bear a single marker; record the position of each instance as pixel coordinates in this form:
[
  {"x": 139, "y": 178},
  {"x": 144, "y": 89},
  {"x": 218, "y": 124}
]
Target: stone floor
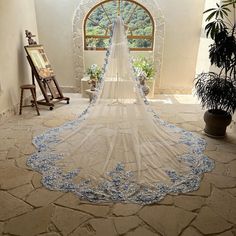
[{"x": 27, "y": 208}]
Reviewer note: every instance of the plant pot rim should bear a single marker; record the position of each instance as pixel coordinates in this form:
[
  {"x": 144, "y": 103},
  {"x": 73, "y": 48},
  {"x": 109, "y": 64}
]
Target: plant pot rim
[{"x": 218, "y": 112}]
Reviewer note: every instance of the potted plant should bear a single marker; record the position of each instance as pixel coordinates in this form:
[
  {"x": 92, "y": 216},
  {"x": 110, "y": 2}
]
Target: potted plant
[
  {"x": 95, "y": 73},
  {"x": 217, "y": 91},
  {"x": 144, "y": 70}
]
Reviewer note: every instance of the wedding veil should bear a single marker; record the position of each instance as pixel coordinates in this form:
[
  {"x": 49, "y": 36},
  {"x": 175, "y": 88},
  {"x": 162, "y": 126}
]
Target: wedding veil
[{"x": 119, "y": 149}]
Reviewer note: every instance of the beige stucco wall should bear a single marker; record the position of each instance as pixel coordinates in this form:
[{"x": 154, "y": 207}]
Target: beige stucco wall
[
  {"x": 54, "y": 19},
  {"x": 15, "y": 17},
  {"x": 203, "y": 62},
  {"x": 182, "y": 35}
]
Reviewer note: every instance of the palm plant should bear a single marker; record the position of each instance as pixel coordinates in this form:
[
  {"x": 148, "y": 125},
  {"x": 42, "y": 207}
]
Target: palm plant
[
  {"x": 222, "y": 54},
  {"x": 217, "y": 92}
]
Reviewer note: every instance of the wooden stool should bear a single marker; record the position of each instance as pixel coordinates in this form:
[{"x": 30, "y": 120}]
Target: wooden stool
[{"x": 33, "y": 92}]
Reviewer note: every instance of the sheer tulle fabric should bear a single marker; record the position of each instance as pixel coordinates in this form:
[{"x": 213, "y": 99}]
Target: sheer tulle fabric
[{"x": 119, "y": 150}]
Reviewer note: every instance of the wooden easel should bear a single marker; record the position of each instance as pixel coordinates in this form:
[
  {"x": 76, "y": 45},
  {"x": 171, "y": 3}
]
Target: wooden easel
[{"x": 42, "y": 71}]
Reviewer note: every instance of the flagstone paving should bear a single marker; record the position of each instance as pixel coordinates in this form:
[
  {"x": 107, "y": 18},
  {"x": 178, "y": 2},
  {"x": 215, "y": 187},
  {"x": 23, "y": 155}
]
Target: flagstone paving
[{"x": 28, "y": 209}]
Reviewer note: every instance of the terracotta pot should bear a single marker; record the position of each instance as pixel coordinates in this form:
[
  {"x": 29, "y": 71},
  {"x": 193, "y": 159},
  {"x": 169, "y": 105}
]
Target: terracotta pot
[{"x": 216, "y": 122}]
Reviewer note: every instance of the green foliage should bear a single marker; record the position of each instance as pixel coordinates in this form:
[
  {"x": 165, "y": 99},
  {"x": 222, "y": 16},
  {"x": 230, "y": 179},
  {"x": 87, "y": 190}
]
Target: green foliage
[
  {"x": 223, "y": 52},
  {"x": 218, "y": 18},
  {"x": 139, "y": 24},
  {"x": 216, "y": 93},
  {"x": 144, "y": 67},
  {"x": 94, "y": 71}
]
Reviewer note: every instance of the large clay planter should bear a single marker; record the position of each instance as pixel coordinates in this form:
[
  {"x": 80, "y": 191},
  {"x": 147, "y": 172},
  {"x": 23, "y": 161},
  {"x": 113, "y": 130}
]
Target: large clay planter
[{"x": 216, "y": 123}]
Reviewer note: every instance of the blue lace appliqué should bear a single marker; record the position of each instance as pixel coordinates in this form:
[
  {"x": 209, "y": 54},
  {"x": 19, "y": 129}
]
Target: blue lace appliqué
[{"x": 119, "y": 185}]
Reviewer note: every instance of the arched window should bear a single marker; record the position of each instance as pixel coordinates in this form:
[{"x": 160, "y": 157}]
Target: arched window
[{"x": 139, "y": 22}]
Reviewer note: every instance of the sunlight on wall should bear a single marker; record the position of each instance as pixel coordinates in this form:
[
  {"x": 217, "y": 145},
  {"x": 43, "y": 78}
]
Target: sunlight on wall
[{"x": 203, "y": 62}]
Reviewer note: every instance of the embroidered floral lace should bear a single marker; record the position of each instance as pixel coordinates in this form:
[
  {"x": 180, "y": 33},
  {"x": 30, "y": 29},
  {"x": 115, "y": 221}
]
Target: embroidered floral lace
[{"x": 119, "y": 150}]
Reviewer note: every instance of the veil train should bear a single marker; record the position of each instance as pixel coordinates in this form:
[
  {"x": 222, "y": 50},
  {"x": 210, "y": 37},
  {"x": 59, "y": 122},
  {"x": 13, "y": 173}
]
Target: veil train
[{"x": 119, "y": 150}]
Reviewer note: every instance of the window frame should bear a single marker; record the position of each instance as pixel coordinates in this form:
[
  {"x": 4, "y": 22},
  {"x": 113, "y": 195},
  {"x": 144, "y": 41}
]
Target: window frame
[{"x": 149, "y": 37}]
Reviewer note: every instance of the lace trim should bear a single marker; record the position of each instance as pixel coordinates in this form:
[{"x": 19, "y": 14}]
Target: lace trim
[{"x": 119, "y": 184}]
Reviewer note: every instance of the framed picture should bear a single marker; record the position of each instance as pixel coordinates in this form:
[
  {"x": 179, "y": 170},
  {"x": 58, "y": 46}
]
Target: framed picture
[{"x": 39, "y": 60}]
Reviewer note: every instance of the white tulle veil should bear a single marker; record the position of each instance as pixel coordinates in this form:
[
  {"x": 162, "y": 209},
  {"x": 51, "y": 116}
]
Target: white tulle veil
[{"x": 119, "y": 149}]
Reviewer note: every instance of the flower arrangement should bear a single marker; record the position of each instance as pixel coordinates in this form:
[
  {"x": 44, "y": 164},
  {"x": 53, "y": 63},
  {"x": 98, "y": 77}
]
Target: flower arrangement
[
  {"x": 144, "y": 67},
  {"x": 94, "y": 71}
]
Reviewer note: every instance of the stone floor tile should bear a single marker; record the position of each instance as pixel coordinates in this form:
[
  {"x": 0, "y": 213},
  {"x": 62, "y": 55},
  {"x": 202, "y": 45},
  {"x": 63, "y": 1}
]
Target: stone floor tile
[
  {"x": 232, "y": 168},
  {"x": 167, "y": 220},
  {"x": 27, "y": 148},
  {"x": 3, "y": 155},
  {"x": 84, "y": 231},
  {"x": 13, "y": 153},
  {"x": 142, "y": 231},
  {"x": 189, "y": 203},
  {"x": 18, "y": 132},
  {"x": 226, "y": 148},
  {"x": 67, "y": 220},
  {"x": 21, "y": 162},
  {"x": 168, "y": 200},
  {"x": 1, "y": 228},
  {"x": 190, "y": 127},
  {"x": 204, "y": 189},
  {"x": 50, "y": 234},
  {"x": 95, "y": 210},
  {"x": 221, "y": 157},
  {"x": 42, "y": 197},
  {"x": 32, "y": 223},
  {"x": 54, "y": 122},
  {"x": 224, "y": 204},
  {"x": 69, "y": 200},
  {"x": 126, "y": 224},
  {"x": 209, "y": 222},
  {"x": 36, "y": 180},
  {"x": 228, "y": 233},
  {"x": 120, "y": 209},
  {"x": 210, "y": 146},
  {"x": 13, "y": 177},
  {"x": 190, "y": 231},
  {"x": 232, "y": 191},
  {"x": 7, "y": 163},
  {"x": 11, "y": 206},
  {"x": 221, "y": 169},
  {"x": 103, "y": 227},
  {"x": 6, "y": 144},
  {"x": 21, "y": 191},
  {"x": 225, "y": 169},
  {"x": 221, "y": 181}
]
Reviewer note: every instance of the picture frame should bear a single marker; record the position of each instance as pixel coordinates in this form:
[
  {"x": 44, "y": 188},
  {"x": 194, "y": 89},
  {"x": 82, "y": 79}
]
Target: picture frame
[
  {"x": 39, "y": 60},
  {"x": 45, "y": 76}
]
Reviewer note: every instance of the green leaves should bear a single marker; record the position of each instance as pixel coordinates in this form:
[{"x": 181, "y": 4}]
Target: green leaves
[
  {"x": 218, "y": 91},
  {"x": 229, "y": 2},
  {"x": 144, "y": 66},
  {"x": 215, "y": 92},
  {"x": 215, "y": 27},
  {"x": 217, "y": 18}
]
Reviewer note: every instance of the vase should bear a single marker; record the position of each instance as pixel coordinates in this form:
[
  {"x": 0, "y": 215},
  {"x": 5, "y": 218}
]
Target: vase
[
  {"x": 216, "y": 123},
  {"x": 93, "y": 83}
]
